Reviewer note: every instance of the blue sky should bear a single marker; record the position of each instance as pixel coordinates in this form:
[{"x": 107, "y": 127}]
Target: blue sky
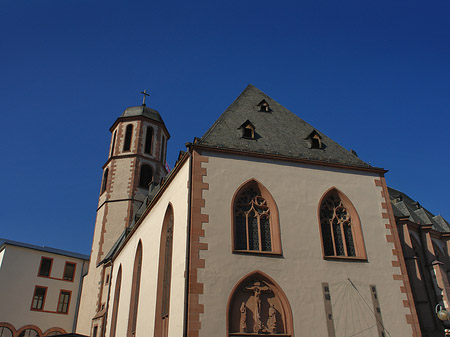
[{"x": 372, "y": 75}]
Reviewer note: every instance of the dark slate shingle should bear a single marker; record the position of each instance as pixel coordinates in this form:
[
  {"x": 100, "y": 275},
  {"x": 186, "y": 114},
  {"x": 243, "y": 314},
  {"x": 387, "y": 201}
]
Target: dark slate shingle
[{"x": 278, "y": 132}]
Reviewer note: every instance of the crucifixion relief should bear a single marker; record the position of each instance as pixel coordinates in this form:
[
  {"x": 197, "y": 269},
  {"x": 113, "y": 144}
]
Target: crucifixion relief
[{"x": 257, "y": 288}]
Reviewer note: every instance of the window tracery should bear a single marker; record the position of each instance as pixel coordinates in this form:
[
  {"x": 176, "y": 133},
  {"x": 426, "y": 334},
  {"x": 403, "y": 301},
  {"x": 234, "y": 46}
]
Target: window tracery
[
  {"x": 340, "y": 227},
  {"x": 255, "y": 220}
]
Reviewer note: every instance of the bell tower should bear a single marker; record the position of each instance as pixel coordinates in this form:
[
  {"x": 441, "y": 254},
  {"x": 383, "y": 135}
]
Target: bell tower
[{"x": 136, "y": 157}]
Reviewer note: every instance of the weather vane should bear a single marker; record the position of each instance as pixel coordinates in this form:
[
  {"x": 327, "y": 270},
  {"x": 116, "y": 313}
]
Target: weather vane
[{"x": 145, "y": 95}]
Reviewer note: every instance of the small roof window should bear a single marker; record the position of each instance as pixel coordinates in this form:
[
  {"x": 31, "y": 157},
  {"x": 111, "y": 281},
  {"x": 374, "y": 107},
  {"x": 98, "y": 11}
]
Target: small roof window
[
  {"x": 315, "y": 140},
  {"x": 264, "y": 106},
  {"x": 248, "y": 130}
]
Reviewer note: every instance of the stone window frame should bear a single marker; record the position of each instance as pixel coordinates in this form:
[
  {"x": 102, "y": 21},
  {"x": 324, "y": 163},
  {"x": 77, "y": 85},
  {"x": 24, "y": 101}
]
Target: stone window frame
[
  {"x": 32, "y": 307},
  {"x": 115, "y": 308},
  {"x": 162, "y": 310},
  {"x": 357, "y": 234},
  {"x": 69, "y": 294},
  {"x": 275, "y": 233},
  {"x": 128, "y": 139},
  {"x": 50, "y": 268},
  {"x": 105, "y": 181},
  {"x": 135, "y": 289}
]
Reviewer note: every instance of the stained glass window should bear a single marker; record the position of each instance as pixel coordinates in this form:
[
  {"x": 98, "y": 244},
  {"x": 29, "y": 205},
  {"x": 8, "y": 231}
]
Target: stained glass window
[
  {"x": 252, "y": 222},
  {"x": 336, "y": 226}
]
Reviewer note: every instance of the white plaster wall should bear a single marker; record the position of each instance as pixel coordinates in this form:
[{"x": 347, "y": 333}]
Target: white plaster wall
[
  {"x": 18, "y": 278},
  {"x": 149, "y": 232},
  {"x": 297, "y": 189}
]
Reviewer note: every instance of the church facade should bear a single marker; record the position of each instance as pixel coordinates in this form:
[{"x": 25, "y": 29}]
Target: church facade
[{"x": 265, "y": 226}]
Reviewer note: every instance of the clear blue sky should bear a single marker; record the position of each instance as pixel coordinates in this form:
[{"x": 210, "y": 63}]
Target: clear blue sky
[{"x": 372, "y": 75}]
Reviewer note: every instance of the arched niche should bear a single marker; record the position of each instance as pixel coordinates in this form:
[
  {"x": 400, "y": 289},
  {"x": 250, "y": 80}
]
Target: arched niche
[{"x": 258, "y": 305}]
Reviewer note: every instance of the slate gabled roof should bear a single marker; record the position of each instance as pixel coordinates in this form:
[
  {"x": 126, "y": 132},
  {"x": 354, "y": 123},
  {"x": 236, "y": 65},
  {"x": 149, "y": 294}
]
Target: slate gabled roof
[
  {"x": 404, "y": 206},
  {"x": 277, "y": 132}
]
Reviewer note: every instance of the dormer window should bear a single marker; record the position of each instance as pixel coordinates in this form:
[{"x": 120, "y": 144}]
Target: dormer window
[
  {"x": 264, "y": 106},
  {"x": 248, "y": 130},
  {"x": 315, "y": 140}
]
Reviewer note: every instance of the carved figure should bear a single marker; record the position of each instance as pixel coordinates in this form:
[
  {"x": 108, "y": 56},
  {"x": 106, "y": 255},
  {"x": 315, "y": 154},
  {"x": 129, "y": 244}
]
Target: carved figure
[
  {"x": 272, "y": 320},
  {"x": 257, "y": 289},
  {"x": 243, "y": 321}
]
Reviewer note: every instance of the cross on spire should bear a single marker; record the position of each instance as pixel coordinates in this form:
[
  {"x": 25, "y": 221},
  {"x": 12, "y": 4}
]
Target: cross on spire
[{"x": 145, "y": 95}]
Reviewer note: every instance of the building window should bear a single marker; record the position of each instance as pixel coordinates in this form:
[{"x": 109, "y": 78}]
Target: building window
[
  {"x": 64, "y": 301},
  {"x": 113, "y": 144},
  {"x": 315, "y": 140},
  {"x": 135, "y": 286},
  {"x": 255, "y": 218},
  {"x": 264, "y": 106},
  {"x": 5, "y": 332},
  {"x": 94, "y": 332},
  {"x": 164, "y": 275},
  {"x": 340, "y": 227},
  {"x": 29, "y": 333},
  {"x": 248, "y": 130},
  {"x": 148, "y": 140},
  {"x": 115, "y": 309},
  {"x": 146, "y": 176},
  {"x": 69, "y": 271},
  {"x": 38, "y": 298},
  {"x": 163, "y": 148},
  {"x": 105, "y": 181},
  {"x": 46, "y": 267},
  {"x": 128, "y": 134},
  {"x": 258, "y": 306}
]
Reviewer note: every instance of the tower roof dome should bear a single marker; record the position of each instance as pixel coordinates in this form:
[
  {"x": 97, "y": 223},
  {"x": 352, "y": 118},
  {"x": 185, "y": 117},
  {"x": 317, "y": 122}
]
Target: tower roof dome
[{"x": 142, "y": 110}]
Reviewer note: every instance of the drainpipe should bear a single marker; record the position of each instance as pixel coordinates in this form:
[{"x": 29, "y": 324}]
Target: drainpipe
[{"x": 188, "y": 244}]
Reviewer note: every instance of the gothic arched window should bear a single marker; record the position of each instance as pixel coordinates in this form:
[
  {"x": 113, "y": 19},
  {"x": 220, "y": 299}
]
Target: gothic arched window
[
  {"x": 105, "y": 180},
  {"x": 135, "y": 285},
  {"x": 257, "y": 305},
  {"x": 164, "y": 276},
  {"x": 115, "y": 309},
  {"x": 128, "y": 134},
  {"x": 146, "y": 176},
  {"x": 340, "y": 227},
  {"x": 255, "y": 220}
]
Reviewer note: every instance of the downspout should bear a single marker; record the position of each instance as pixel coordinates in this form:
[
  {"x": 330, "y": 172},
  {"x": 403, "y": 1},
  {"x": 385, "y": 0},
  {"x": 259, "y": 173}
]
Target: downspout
[
  {"x": 77, "y": 307},
  {"x": 188, "y": 244}
]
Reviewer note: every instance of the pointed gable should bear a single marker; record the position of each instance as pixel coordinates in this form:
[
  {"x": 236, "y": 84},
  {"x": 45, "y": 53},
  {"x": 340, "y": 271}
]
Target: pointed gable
[{"x": 280, "y": 132}]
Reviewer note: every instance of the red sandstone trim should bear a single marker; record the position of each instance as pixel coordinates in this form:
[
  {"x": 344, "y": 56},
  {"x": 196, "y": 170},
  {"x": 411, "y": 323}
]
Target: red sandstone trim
[
  {"x": 10, "y": 327},
  {"x": 61, "y": 330},
  {"x": 195, "y": 308},
  {"x": 29, "y": 326},
  {"x": 405, "y": 287}
]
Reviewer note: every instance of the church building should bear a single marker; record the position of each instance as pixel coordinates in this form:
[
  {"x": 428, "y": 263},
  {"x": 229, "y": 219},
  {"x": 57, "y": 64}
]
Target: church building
[{"x": 265, "y": 226}]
